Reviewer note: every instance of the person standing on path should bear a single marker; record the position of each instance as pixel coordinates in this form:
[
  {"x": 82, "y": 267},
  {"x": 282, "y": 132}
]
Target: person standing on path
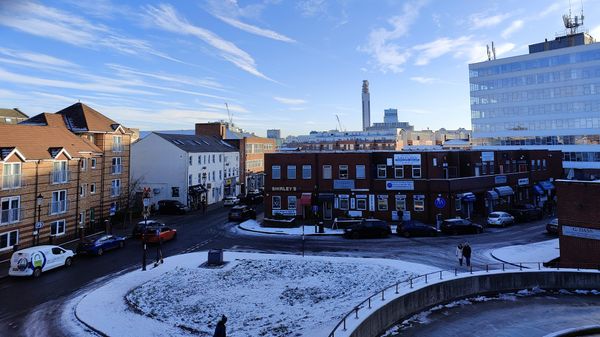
[
  {"x": 221, "y": 330},
  {"x": 467, "y": 253},
  {"x": 459, "y": 253}
]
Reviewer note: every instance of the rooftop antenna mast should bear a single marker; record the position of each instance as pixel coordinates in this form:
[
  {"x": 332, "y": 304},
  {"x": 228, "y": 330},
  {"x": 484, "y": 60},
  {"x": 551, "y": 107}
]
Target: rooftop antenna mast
[
  {"x": 229, "y": 114},
  {"x": 572, "y": 23},
  {"x": 493, "y": 50},
  {"x": 339, "y": 123},
  {"x": 489, "y": 55}
]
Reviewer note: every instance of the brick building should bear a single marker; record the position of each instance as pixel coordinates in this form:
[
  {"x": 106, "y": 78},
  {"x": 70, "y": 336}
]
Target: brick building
[
  {"x": 406, "y": 185},
  {"x": 579, "y": 223},
  {"x": 64, "y": 171}
]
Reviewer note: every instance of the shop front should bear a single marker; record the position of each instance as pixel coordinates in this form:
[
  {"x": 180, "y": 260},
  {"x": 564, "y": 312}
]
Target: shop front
[{"x": 505, "y": 198}]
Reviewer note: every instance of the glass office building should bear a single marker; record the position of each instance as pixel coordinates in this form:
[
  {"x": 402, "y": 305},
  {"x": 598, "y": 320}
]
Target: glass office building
[{"x": 549, "y": 98}]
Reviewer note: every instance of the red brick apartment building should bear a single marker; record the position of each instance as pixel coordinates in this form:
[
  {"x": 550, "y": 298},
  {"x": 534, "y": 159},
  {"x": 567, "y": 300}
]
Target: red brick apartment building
[
  {"x": 579, "y": 223},
  {"x": 61, "y": 175},
  {"x": 393, "y": 185}
]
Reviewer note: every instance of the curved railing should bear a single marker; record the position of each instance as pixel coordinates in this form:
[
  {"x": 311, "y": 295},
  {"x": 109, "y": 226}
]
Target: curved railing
[{"x": 439, "y": 275}]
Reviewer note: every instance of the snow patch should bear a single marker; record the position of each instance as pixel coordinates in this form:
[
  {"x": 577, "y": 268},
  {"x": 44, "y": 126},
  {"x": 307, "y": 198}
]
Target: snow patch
[{"x": 535, "y": 252}]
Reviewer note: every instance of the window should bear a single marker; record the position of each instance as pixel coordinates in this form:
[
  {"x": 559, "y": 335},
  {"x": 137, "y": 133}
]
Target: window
[
  {"x": 117, "y": 144},
  {"x": 291, "y": 172},
  {"x": 92, "y": 188},
  {"x": 93, "y": 164},
  {"x": 58, "y": 228},
  {"x": 544, "y": 164},
  {"x": 10, "y": 210},
  {"x": 292, "y": 202},
  {"x": 343, "y": 172},
  {"x": 213, "y": 176},
  {"x": 416, "y": 171},
  {"x": 60, "y": 173},
  {"x": 400, "y": 203},
  {"x": 276, "y": 172},
  {"x": 458, "y": 203},
  {"x": 199, "y": 178},
  {"x": 83, "y": 164},
  {"x": 199, "y": 160},
  {"x": 115, "y": 188},
  {"x": 276, "y": 202},
  {"x": 361, "y": 172},
  {"x": 213, "y": 159},
  {"x": 382, "y": 202},
  {"x": 9, "y": 239},
  {"x": 399, "y": 172},
  {"x": 92, "y": 212},
  {"x": 190, "y": 180},
  {"x": 116, "y": 167},
  {"x": 419, "y": 203},
  {"x": 82, "y": 190},
  {"x": 306, "y": 171},
  {"x": 326, "y": 171},
  {"x": 81, "y": 218},
  {"x": 11, "y": 175},
  {"x": 191, "y": 159},
  {"x": 344, "y": 202},
  {"x": 381, "y": 171},
  {"x": 361, "y": 204},
  {"x": 174, "y": 192},
  {"x": 59, "y": 202},
  {"x": 220, "y": 158}
]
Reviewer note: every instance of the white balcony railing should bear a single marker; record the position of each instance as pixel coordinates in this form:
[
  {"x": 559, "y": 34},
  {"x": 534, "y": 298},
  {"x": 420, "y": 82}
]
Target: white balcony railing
[
  {"x": 116, "y": 169},
  {"x": 9, "y": 216},
  {"x": 11, "y": 181},
  {"x": 59, "y": 177},
  {"x": 115, "y": 191},
  {"x": 58, "y": 207}
]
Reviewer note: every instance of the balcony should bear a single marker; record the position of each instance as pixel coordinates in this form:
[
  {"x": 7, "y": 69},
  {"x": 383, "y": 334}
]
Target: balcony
[
  {"x": 10, "y": 216},
  {"x": 11, "y": 181},
  {"x": 115, "y": 191},
  {"x": 116, "y": 169},
  {"x": 59, "y": 177},
  {"x": 117, "y": 148},
  {"x": 58, "y": 207}
]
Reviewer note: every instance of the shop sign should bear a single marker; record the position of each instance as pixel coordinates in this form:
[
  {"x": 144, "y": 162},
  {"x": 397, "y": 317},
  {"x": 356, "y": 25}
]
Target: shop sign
[
  {"x": 487, "y": 156},
  {"x": 356, "y": 214},
  {"x": 361, "y": 196},
  {"x": 400, "y": 185},
  {"x": 285, "y": 212},
  {"x": 405, "y": 215},
  {"x": 389, "y": 161},
  {"x": 499, "y": 180},
  {"x": 523, "y": 181},
  {"x": 283, "y": 188},
  {"x": 581, "y": 232},
  {"x": 407, "y": 159},
  {"x": 372, "y": 203},
  {"x": 344, "y": 184},
  {"x": 395, "y": 216}
]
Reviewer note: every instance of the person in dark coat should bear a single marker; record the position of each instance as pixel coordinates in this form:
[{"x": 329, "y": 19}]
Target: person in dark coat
[
  {"x": 221, "y": 330},
  {"x": 467, "y": 253}
]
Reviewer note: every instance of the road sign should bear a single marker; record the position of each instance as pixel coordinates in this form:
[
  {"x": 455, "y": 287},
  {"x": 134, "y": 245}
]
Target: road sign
[
  {"x": 146, "y": 202},
  {"x": 39, "y": 225},
  {"x": 440, "y": 202}
]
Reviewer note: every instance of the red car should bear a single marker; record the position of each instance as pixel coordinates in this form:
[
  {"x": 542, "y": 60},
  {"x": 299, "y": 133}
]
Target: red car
[{"x": 159, "y": 234}]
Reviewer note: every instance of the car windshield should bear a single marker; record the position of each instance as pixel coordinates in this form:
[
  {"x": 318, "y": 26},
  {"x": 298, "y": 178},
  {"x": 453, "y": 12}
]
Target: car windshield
[{"x": 494, "y": 215}]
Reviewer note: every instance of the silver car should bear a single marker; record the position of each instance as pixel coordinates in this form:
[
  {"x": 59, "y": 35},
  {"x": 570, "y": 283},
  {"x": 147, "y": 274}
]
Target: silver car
[{"x": 501, "y": 219}]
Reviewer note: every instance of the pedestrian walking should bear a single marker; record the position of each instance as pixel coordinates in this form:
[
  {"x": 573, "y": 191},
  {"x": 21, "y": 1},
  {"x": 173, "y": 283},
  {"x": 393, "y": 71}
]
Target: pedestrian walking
[
  {"x": 467, "y": 253},
  {"x": 221, "y": 330},
  {"x": 459, "y": 253}
]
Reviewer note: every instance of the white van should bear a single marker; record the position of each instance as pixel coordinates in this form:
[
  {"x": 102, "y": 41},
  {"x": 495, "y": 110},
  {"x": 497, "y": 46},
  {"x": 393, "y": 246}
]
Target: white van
[{"x": 33, "y": 261}]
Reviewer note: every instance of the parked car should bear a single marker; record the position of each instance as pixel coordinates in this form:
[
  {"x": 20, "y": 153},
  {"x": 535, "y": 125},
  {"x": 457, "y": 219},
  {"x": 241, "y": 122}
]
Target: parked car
[
  {"x": 101, "y": 244},
  {"x": 140, "y": 227},
  {"x": 254, "y": 198},
  {"x": 171, "y": 207},
  {"x": 552, "y": 226},
  {"x": 230, "y": 201},
  {"x": 414, "y": 228},
  {"x": 368, "y": 228},
  {"x": 501, "y": 219},
  {"x": 33, "y": 261},
  {"x": 159, "y": 234},
  {"x": 460, "y": 226},
  {"x": 241, "y": 213},
  {"x": 526, "y": 212}
]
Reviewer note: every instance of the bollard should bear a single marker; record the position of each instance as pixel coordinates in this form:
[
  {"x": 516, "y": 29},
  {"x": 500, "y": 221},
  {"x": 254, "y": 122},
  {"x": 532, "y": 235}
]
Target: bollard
[
  {"x": 425, "y": 278},
  {"x": 471, "y": 269},
  {"x": 356, "y": 311},
  {"x": 487, "y": 268},
  {"x": 410, "y": 283},
  {"x": 520, "y": 266},
  {"x": 382, "y": 298},
  {"x": 396, "y": 288},
  {"x": 455, "y": 272},
  {"x": 344, "y": 323},
  {"x": 369, "y": 303},
  {"x": 503, "y": 267},
  {"x": 539, "y": 266},
  {"x": 440, "y": 274}
]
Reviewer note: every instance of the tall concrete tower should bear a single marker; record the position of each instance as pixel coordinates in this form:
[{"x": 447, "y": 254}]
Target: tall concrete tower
[{"x": 366, "y": 105}]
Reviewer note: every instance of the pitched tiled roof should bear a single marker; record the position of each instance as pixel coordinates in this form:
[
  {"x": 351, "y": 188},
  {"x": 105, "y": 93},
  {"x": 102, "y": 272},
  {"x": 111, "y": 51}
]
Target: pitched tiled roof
[
  {"x": 192, "y": 143},
  {"x": 14, "y": 113},
  {"x": 36, "y": 142},
  {"x": 81, "y": 118},
  {"x": 45, "y": 119}
]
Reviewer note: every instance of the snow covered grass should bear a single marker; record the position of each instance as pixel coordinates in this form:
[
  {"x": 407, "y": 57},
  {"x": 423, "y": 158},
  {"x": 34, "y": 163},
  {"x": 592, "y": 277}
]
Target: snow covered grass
[
  {"x": 262, "y": 294},
  {"x": 534, "y": 252},
  {"x": 252, "y": 225}
]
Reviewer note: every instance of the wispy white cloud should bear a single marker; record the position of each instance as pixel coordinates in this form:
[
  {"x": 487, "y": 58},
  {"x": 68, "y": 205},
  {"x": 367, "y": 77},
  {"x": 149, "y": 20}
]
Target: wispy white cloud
[
  {"x": 183, "y": 80},
  {"x": 290, "y": 101},
  {"x": 595, "y": 32},
  {"x": 37, "y": 58},
  {"x": 485, "y": 20},
  {"x": 551, "y": 9},
  {"x": 165, "y": 17},
  {"x": 514, "y": 27},
  {"x": 255, "y": 30},
  {"x": 312, "y": 7},
  {"x": 439, "y": 47},
  {"x": 222, "y": 107}
]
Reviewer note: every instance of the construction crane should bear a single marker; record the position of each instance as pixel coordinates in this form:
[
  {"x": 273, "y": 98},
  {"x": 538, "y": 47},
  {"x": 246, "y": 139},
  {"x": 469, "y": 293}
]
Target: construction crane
[
  {"x": 229, "y": 114},
  {"x": 339, "y": 123}
]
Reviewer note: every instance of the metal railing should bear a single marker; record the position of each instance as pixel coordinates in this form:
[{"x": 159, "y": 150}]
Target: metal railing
[
  {"x": 59, "y": 177},
  {"x": 411, "y": 282},
  {"x": 9, "y": 216},
  {"x": 58, "y": 207},
  {"x": 116, "y": 169},
  {"x": 11, "y": 181}
]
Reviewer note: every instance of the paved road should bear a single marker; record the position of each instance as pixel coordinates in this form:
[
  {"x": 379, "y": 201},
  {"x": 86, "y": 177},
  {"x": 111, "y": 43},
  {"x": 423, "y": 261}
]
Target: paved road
[{"x": 27, "y": 302}]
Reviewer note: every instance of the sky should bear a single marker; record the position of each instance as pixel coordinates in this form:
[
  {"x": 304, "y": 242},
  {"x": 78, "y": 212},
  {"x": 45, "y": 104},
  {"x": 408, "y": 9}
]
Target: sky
[{"x": 289, "y": 65}]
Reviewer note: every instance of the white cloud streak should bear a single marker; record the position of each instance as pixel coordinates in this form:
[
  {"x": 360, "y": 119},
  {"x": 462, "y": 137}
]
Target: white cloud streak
[
  {"x": 290, "y": 101},
  {"x": 424, "y": 80},
  {"x": 514, "y": 27},
  {"x": 255, "y": 30},
  {"x": 483, "y": 20}
]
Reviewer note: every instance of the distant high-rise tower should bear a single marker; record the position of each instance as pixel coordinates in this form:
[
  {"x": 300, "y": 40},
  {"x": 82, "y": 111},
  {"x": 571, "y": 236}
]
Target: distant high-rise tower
[
  {"x": 366, "y": 105},
  {"x": 390, "y": 116}
]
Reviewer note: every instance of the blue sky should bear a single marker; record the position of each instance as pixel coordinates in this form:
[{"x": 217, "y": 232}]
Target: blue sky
[{"x": 282, "y": 64}]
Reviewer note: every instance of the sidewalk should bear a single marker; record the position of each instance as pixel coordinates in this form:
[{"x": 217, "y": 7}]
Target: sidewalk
[{"x": 534, "y": 252}]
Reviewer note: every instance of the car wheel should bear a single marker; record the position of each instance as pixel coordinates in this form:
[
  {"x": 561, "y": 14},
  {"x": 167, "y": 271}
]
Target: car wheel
[
  {"x": 455, "y": 232},
  {"x": 479, "y": 231},
  {"x": 121, "y": 244},
  {"x": 68, "y": 262},
  {"x": 406, "y": 234},
  {"x": 37, "y": 272},
  {"x": 100, "y": 252}
]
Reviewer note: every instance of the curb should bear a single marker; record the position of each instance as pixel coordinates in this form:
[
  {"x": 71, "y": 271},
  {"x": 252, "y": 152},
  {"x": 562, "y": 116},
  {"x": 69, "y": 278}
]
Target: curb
[
  {"x": 582, "y": 331},
  {"x": 275, "y": 233},
  {"x": 510, "y": 263},
  {"x": 84, "y": 323}
]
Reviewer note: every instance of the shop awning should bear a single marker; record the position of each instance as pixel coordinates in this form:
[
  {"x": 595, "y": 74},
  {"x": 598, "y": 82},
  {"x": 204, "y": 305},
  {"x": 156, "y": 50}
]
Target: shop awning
[
  {"x": 492, "y": 195},
  {"x": 306, "y": 199},
  {"x": 468, "y": 197},
  {"x": 504, "y": 191},
  {"x": 538, "y": 190},
  {"x": 197, "y": 189},
  {"x": 546, "y": 185},
  {"x": 326, "y": 197}
]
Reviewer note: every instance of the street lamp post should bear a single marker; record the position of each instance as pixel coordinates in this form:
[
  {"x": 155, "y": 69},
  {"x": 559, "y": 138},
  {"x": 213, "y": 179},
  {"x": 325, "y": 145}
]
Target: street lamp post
[{"x": 38, "y": 224}]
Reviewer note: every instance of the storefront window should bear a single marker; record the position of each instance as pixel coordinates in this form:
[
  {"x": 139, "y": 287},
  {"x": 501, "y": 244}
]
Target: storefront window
[
  {"x": 382, "y": 202},
  {"x": 292, "y": 202},
  {"x": 276, "y": 202},
  {"x": 458, "y": 203},
  {"x": 399, "y": 172},
  {"x": 416, "y": 171},
  {"x": 361, "y": 204},
  {"x": 419, "y": 203},
  {"x": 400, "y": 202},
  {"x": 344, "y": 202},
  {"x": 381, "y": 171}
]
